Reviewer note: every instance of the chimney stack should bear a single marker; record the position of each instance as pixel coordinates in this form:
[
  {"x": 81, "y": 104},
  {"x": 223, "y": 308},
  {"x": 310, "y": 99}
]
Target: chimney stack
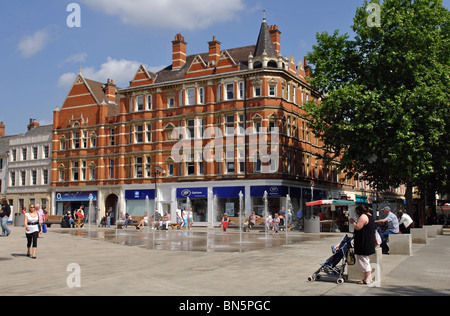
[
  {"x": 32, "y": 124},
  {"x": 178, "y": 52},
  {"x": 2, "y": 129},
  {"x": 276, "y": 38},
  {"x": 306, "y": 67},
  {"x": 110, "y": 90},
  {"x": 214, "y": 51}
]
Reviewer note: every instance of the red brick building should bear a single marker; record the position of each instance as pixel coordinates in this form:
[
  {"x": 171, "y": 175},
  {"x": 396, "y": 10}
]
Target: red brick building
[{"x": 207, "y": 127}]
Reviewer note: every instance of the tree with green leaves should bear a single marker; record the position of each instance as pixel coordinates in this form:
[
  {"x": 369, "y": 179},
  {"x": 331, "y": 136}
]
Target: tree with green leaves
[{"x": 385, "y": 95}]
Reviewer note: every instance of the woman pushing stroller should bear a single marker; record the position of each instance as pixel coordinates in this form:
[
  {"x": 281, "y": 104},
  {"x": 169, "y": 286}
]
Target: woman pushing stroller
[{"x": 364, "y": 241}]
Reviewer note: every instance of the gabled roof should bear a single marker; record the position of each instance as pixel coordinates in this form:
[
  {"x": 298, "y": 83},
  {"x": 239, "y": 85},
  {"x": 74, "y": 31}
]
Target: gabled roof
[
  {"x": 96, "y": 91},
  {"x": 142, "y": 76},
  {"x": 239, "y": 55}
]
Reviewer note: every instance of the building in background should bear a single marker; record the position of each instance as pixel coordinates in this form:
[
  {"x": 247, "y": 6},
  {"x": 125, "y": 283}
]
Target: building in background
[
  {"x": 217, "y": 131},
  {"x": 25, "y": 167}
]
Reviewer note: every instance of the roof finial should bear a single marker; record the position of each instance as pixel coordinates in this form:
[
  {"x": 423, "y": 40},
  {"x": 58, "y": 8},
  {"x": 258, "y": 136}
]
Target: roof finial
[
  {"x": 79, "y": 70},
  {"x": 264, "y": 15}
]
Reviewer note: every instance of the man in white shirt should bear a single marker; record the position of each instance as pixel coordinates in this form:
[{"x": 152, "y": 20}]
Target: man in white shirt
[{"x": 406, "y": 220}]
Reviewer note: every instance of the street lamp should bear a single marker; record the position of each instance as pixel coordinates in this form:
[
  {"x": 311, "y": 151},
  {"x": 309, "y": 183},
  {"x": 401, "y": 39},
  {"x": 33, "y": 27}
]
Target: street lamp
[
  {"x": 372, "y": 160},
  {"x": 158, "y": 170}
]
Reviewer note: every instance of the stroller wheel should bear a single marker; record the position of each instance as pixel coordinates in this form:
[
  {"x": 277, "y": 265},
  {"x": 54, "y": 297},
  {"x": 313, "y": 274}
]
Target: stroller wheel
[
  {"x": 340, "y": 281},
  {"x": 311, "y": 278}
]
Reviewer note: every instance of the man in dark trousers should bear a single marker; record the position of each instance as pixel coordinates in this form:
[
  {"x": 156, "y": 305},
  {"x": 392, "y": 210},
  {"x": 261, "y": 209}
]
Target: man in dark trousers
[{"x": 4, "y": 216}]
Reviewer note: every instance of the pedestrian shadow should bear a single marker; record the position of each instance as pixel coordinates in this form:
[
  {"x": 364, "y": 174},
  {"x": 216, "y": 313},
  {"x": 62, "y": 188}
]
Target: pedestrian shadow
[{"x": 18, "y": 255}]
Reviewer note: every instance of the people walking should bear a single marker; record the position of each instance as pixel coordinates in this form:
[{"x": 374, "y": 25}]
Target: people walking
[
  {"x": 31, "y": 223},
  {"x": 5, "y": 213}
]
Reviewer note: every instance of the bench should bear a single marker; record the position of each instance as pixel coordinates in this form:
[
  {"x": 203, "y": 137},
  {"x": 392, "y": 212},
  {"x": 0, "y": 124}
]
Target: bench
[
  {"x": 260, "y": 223},
  {"x": 53, "y": 219},
  {"x": 234, "y": 222},
  {"x": 135, "y": 223}
]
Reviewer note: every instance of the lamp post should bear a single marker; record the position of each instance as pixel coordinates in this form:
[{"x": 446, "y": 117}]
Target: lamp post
[
  {"x": 158, "y": 171},
  {"x": 372, "y": 160}
]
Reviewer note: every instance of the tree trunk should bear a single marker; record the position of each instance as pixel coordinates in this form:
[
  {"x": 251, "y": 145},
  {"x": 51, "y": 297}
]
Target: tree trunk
[{"x": 409, "y": 198}]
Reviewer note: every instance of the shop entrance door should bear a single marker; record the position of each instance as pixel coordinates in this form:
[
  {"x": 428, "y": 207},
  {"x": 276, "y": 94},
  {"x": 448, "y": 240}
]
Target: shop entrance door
[{"x": 111, "y": 205}]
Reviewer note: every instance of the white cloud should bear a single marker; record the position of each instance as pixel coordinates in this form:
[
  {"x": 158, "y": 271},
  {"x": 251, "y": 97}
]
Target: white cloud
[
  {"x": 67, "y": 79},
  {"x": 80, "y": 57},
  {"x": 173, "y": 14},
  {"x": 121, "y": 71},
  {"x": 32, "y": 44}
]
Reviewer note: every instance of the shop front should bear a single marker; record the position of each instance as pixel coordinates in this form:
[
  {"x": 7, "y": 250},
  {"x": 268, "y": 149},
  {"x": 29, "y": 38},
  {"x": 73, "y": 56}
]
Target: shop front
[
  {"x": 140, "y": 201},
  {"x": 276, "y": 195},
  {"x": 227, "y": 200},
  {"x": 197, "y": 198},
  {"x": 71, "y": 201}
]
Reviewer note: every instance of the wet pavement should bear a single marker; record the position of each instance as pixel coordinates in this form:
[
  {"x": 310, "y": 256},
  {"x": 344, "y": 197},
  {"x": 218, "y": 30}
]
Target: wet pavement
[
  {"x": 202, "y": 262},
  {"x": 197, "y": 239}
]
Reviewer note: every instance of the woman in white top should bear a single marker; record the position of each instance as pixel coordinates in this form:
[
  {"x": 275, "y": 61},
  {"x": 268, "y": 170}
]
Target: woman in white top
[
  {"x": 143, "y": 222},
  {"x": 31, "y": 224}
]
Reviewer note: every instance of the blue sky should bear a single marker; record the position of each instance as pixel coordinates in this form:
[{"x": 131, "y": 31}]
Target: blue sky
[{"x": 40, "y": 54}]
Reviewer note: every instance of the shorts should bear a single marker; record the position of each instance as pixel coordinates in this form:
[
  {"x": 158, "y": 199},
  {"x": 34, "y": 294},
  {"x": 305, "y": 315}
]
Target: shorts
[{"x": 364, "y": 263}]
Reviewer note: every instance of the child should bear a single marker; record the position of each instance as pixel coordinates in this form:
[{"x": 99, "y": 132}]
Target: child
[
  {"x": 269, "y": 221},
  {"x": 276, "y": 223}
]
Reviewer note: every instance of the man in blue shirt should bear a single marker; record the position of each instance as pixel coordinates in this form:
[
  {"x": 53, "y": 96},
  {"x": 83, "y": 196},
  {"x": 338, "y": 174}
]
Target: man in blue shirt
[{"x": 392, "y": 227}]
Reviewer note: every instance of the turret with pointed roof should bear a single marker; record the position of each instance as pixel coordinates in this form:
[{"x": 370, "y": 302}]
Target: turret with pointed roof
[{"x": 265, "y": 43}]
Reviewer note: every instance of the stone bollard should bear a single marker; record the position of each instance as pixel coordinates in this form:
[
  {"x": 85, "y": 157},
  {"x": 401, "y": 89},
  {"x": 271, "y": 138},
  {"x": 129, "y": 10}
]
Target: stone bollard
[
  {"x": 419, "y": 235},
  {"x": 400, "y": 244},
  {"x": 431, "y": 231},
  {"x": 439, "y": 229},
  {"x": 354, "y": 272}
]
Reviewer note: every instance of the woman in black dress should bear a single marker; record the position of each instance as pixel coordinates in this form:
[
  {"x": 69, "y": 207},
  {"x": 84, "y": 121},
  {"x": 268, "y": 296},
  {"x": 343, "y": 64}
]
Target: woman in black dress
[{"x": 364, "y": 239}]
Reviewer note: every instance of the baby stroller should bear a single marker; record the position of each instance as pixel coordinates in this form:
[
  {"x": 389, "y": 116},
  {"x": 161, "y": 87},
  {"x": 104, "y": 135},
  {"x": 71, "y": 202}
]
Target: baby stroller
[
  {"x": 65, "y": 223},
  {"x": 335, "y": 265}
]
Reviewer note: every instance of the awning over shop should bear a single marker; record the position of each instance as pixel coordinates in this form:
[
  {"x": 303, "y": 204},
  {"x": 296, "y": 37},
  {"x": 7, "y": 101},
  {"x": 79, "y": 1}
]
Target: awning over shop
[
  {"x": 228, "y": 192},
  {"x": 330, "y": 202},
  {"x": 139, "y": 194}
]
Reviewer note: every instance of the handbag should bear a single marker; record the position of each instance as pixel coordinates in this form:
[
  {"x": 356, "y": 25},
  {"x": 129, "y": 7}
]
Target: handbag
[
  {"x": 351, "y": 257},
  {"x": 44, "y": 228},
  {"x": 377, "y": 238}
]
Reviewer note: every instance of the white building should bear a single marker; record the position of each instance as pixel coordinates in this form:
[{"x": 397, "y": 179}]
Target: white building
[{"x": 26, "y": 171}]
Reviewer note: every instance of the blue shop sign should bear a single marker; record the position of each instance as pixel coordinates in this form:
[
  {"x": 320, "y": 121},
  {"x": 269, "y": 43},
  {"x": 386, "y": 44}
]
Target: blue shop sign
[
  {"x": 76, "y": 196},
  {"x": 228, "y": 192},
  {"x": 192, "y": 193},
  {"x": 295, "y": 192},
  {"x": 272, "y": 191},
  {"x": 317, "y": 194},
  {"x": 139, "y": 194}
]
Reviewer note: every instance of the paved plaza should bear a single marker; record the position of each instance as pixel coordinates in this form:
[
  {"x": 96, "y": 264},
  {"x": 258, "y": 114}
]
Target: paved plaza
[{"x": 203, "y": 262}]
